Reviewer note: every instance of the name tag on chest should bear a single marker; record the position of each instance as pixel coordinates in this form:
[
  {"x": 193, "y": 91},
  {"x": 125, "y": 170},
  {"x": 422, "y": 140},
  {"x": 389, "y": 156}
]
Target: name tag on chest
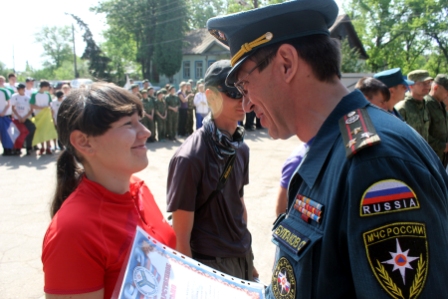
[{"x": 290, "y": 238}]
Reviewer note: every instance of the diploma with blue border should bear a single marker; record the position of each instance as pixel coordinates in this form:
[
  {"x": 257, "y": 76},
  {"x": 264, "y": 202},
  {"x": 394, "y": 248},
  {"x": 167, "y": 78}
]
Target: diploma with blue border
[{"x": 155, "y": 271}]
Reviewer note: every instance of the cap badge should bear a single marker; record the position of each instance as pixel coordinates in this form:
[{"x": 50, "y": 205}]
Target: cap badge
[{"x": 247, "y": 47}]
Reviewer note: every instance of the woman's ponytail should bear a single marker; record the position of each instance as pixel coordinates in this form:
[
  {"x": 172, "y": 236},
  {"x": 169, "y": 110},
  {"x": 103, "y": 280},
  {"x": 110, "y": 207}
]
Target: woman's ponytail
[{"x": 68, "y": 174}]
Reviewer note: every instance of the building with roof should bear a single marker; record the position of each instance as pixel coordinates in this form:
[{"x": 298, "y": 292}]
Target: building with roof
[{"x": 201, "y": 49}]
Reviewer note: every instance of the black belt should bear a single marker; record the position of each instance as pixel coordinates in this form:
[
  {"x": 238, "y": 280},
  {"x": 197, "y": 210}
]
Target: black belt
[{"x": 201, "y": 256}]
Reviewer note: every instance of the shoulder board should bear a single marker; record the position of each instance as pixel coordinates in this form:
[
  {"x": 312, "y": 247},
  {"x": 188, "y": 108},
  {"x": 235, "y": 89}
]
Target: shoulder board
[{"x": 357, "y": 131}]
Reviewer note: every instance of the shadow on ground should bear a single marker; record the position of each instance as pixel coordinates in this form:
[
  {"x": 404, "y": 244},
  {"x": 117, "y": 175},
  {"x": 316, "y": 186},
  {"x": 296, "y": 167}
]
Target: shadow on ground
[{"x": 35, "y": 161}]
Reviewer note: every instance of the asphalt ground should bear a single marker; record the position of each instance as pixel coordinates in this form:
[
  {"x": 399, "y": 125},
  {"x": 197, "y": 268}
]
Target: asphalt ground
[{"x": 27, "y": 184}]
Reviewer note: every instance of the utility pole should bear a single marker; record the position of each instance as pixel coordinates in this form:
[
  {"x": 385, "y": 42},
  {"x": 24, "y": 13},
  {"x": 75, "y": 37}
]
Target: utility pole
[
  {"x": 13, "y": 60},
  {"x": 74, "y": 53}
]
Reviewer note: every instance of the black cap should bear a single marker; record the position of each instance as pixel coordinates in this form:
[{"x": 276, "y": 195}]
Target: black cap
[
  {"x": 29, "y": 79},
  {"x": 216, "y": 75},
  {"x": 20, "y": 86}
]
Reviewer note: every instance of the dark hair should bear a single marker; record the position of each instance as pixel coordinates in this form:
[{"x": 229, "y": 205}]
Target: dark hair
[
  {"x": 91, "y": 111},
  {"x": 370, "y": 87},
  {"x": 59, "y": 94},
  {"x": 11, "y": 75},
  {"x": 44, "y": 83},
  {"x": 320, "y": 51}
]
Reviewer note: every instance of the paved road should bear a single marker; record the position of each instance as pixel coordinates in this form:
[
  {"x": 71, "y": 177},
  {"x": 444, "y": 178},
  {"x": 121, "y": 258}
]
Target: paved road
[{"x": 27, "y": 185}]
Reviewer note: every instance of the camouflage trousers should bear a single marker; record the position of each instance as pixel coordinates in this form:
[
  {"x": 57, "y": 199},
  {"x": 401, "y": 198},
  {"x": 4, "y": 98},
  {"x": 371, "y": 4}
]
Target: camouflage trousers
[
  {"x": 189, "y": 123},
  {"x": 172, "y": 121},
  {"x": 161, "y": 128},
  {"x": 149, "y": 124}
]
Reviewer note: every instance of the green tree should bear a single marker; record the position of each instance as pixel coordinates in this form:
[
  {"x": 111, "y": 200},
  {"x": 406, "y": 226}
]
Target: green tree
[
  {"x": 400, "y": 33},
  {"x": 350, "y": 59},
  {"x": 170, "y": 28},
  {"x": 4, "y": 71},
  {"x": 56, "y": 44},
  {"x": 98, "y": 63},
  {"x": 133, "y": 22},
  {"x": 200, "y": 11}
]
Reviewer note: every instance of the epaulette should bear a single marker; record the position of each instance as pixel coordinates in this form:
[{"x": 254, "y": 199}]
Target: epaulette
[{"x": 357, "y": 131}]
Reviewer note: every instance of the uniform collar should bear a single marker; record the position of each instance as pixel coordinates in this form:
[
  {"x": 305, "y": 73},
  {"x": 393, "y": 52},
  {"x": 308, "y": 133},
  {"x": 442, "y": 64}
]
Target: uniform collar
[{"x": 326, "y": 137}]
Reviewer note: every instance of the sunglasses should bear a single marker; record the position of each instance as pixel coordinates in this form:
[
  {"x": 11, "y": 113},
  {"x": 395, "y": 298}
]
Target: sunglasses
[{"x": 233, "y": 94}]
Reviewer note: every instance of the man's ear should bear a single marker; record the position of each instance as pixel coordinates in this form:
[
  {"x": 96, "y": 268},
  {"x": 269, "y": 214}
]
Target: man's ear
[
  {"x": 288, "y": 60},
  {"x": 81, "y": 142}
]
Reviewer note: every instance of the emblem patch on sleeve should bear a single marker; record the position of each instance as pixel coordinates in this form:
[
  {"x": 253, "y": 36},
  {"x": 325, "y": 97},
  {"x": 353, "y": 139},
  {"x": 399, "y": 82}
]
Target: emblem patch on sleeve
[
  {"x": 283, "y": 280},
  {"x": 398, "y": 256},
  {"x": 386, "y": 197}
]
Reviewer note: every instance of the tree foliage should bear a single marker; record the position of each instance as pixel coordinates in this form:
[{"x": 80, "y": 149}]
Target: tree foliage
[
  {"x": 99, "y": 63},
  {"x": 131, "y": 22},
  {"x": 146, "y": 25},
  {"x": 402, "y": 33},
  {"x": 350, "y": 59},
  {"x": 56, "y": 42},
  {"x": 170, "y": 28}
]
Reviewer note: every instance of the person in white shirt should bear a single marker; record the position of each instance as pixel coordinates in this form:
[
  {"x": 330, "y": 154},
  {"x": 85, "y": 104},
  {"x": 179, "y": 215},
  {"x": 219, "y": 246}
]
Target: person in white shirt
[
  {"x": 29, "y": 89},
  {"x": 12, "y": 81},
  {"x": 55, "y": 104},
  {"x": 21, "y": 112},
  {"x": 9, "y": 91},
  {"x": 41, "y": 100},
  {"x": 4, "y": 107},
  {"x": 200, "y": 102}
]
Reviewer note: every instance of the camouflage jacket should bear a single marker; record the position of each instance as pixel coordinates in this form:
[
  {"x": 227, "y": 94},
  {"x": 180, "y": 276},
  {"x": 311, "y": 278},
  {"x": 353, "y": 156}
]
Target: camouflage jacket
[
  {"x": 172, "y": 101},
  {"x": 438, "y": 128},
  {"x": 415, "y": 113}
]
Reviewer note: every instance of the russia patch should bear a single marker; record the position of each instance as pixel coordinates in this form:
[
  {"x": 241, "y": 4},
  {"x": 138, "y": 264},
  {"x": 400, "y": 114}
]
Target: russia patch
[
  {"x": 398, "y": 257},
  {"x": 388, "y": 196}
]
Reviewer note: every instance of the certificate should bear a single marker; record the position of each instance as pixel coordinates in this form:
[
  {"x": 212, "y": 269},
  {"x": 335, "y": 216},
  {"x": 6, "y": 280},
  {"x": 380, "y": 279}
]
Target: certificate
[{"x": 155, "y": 271}]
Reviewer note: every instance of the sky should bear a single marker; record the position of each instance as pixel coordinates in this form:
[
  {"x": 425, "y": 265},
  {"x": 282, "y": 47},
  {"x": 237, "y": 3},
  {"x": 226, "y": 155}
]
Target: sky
[{"x": 21, "y": 25}]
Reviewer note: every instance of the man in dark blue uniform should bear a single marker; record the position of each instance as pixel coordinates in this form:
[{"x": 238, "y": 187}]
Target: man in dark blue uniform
[{"x": 367, "y": 208}]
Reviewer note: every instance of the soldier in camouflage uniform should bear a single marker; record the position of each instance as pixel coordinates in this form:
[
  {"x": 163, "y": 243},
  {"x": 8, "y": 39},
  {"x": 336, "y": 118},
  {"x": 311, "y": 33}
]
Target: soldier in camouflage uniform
[
  {"x": 152, "y": 98},
  {"x": 160, "y": 114},
  {"x": 148, "y": 118},
  {"x": 438, "y": 128},
  {"x": 413, "y": 109},
  {"x": 190, "y": 110},
  {"x": 173, "y": 104}
]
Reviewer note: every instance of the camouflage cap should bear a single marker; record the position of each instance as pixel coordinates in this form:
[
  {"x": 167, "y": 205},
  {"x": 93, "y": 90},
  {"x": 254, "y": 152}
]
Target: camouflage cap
[
  {"x": 161, "y": 91},
  {"x": 419, "y": 76},
  {"x": 442, "y": 79}
]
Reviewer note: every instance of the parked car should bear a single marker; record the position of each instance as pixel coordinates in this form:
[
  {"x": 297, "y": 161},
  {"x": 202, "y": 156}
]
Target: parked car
[
  {"x": 76, "y": 83},
  {"x": 57, "y": 85}
]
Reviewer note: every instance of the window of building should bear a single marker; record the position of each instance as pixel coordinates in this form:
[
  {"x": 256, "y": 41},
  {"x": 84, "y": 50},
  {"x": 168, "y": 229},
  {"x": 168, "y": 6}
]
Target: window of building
[
  {"x": 198, "y": 69},
  {"x": 210, "y": 62},
  {"x": 187, "y": 69}
]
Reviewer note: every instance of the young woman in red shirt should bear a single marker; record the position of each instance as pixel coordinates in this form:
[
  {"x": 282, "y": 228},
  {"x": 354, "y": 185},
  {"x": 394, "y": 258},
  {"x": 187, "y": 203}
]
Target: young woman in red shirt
[{"x": 98, "y": 202}]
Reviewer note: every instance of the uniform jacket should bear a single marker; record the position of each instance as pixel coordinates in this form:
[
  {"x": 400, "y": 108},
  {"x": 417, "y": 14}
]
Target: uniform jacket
[
  {"x": 415, "y": 113},
  {"x": 383, "y": 226},
  {"x": 438, "y": 128}
]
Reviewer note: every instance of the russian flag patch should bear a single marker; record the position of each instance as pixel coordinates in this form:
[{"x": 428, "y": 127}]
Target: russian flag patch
[{"x": 388, "y": 196}]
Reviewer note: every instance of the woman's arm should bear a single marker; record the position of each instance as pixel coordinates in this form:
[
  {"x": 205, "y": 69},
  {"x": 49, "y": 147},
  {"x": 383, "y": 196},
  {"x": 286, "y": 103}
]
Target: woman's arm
[{"x": 93, "y": 295}]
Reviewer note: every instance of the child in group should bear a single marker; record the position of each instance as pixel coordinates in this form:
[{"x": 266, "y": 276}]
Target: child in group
[
  {"x": 21, "y": 110},
  {"x": 41, "y": 100},
  {"x": 161, "y": 113},
  {"x": 54, "y": 112},
  {"x": 4, "y": 108},
  {"x": 148, "y": 116}
]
